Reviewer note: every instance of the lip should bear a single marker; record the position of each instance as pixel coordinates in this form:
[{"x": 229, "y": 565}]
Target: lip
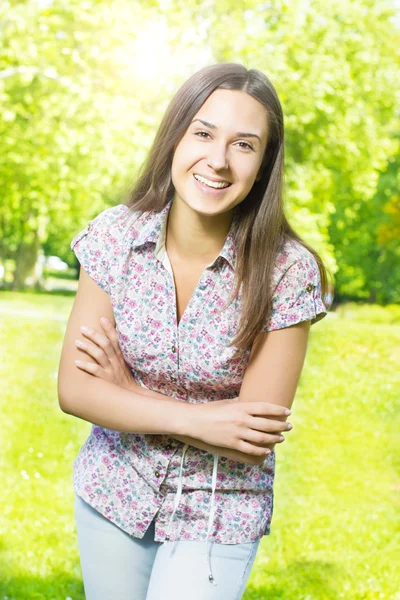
[
  {"x": 209, "y": 191},
  {"x": 212, "y": 178}
]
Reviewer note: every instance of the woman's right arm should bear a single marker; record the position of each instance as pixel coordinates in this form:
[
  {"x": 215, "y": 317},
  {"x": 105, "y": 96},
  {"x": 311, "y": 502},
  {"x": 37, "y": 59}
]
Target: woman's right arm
[{"x": 101, "y": 402}]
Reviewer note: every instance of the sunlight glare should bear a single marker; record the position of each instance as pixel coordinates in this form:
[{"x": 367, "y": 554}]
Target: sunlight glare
[{"x": 149, "y": 57}]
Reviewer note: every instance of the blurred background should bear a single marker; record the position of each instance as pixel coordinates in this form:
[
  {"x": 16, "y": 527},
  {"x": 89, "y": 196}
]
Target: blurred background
[{"x": 83, "y": 87}]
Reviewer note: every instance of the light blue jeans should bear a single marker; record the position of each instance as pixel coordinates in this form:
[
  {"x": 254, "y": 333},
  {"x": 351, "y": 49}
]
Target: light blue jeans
[{"x": 117, "y": 566}]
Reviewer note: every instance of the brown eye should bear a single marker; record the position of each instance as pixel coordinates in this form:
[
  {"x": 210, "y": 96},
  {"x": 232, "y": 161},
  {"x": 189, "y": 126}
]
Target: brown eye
[
  {"x": 249, "y": 146},
  {"x": 200, "y": 132}
]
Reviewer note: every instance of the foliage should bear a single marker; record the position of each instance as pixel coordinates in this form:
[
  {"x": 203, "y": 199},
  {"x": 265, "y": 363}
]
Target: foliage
[
  {"x": 370, "y": 253},
  {"x": 73, "y": 127},
  {"x": 83, "y": 86}
]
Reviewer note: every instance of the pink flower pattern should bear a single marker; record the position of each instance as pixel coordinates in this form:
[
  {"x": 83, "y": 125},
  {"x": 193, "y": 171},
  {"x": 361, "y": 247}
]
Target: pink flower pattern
[{"x": 132, "y": 478}]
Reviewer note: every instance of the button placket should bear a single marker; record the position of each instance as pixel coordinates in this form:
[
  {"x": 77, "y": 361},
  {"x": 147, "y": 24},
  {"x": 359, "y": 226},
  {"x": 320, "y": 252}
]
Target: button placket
[
  {"x": 160, "y": 467},
  {"x": 173, "y": 345}
]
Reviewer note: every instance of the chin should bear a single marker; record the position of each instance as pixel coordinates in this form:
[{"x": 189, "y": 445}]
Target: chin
[{"x": 210, "y": 209}]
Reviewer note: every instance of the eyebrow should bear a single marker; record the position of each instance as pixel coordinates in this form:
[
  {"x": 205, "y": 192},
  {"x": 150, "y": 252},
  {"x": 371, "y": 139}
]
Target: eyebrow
[{"x": 238, "y": 133}]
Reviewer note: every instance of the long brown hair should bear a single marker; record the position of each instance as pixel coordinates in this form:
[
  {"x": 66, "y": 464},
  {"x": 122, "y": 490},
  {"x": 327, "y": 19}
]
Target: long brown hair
[{"x": 259, "y": 214}]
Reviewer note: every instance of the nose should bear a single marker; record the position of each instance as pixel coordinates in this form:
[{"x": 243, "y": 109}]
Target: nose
[{"x": 217, "y": 157}]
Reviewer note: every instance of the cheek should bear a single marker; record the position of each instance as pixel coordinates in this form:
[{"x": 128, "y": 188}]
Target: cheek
[
  {"x": 247, "y": 177},
  {"x": 185, "y": 159},
  {"x": 186, "y": 156},
  {"x": 180, "y": 159},
  {"x": 176, "y": 167},
  {"x": 244, "y": 166}
]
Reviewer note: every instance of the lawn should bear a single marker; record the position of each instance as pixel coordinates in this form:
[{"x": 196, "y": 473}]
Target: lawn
[{"x": 335, "y": 531}]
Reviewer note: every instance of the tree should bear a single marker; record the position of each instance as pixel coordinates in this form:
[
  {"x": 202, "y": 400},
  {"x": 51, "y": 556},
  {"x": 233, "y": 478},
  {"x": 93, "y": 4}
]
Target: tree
[{"x": 76, "y": 121}]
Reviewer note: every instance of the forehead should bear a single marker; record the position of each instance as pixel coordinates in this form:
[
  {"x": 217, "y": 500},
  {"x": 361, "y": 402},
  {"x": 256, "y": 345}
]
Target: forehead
[{"x": 234, "y": 110}]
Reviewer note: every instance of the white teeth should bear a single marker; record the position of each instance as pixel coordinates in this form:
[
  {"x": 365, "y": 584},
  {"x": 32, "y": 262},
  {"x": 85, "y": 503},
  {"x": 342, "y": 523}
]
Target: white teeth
[{"x": 213, "y": 184}]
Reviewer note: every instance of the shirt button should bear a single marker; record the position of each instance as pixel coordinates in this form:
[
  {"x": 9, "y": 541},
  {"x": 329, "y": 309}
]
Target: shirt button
[
  {"x": 309, "y": 288},
  {"x": 173, "y": 349},
  {"x": 157, "y": 473}
]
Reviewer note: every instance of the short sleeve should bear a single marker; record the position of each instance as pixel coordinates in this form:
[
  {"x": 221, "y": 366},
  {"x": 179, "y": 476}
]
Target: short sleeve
[
  {"x": 297, "y": 296},
  {"x": 96, "y": 244}
]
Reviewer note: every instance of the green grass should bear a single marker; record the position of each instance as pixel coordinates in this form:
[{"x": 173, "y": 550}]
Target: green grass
[{"x": 335, "y": 528}]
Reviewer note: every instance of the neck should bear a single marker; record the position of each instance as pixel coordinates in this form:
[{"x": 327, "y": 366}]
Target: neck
[{"x": 195, "y": 237}]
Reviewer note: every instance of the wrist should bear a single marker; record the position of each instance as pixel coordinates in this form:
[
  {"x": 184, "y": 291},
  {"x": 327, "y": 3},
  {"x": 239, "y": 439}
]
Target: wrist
[
  {"x": 178, "y": 413},
  {"x": 184, "y": 420},
  {"x": 131, "y": 386}
]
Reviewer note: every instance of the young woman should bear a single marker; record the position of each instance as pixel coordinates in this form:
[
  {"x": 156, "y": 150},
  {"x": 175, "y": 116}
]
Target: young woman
[{"x": 207, "y": 295}]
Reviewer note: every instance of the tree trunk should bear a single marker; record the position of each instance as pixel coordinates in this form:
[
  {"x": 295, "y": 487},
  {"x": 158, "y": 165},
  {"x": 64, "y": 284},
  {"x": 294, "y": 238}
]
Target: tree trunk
[{"x": 29, "y": 267}]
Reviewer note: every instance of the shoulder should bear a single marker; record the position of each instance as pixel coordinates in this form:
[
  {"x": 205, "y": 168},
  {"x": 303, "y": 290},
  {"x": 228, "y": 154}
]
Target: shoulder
[
  {"x": 110, "y": 227},
  {"x": 113, "y": 215},
  {"x": 103, "y": 244},
  {"x": 294, "y": 261},
  {"x": 297, "y": 294}
]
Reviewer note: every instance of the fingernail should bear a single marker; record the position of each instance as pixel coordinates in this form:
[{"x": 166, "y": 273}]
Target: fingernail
[
  {"x": 104, "y": 321},
  {"x": 288, "y": 412},
  {"x": 85, "y": 329},
  {"x": 79, "y": 362},
  {"x": 289, "y": 426},
  {"x": 79, "y": 343}
]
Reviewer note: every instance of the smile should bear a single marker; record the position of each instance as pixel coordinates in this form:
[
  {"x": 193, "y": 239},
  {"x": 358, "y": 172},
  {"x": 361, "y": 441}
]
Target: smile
[{"x": 212, "y": 184}]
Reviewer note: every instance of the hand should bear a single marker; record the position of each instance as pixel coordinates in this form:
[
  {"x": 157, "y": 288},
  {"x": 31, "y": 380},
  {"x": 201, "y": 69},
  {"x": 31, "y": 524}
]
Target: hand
[
  {"x": 249, "y": 427},
  {"x": 109, "y": 362}
]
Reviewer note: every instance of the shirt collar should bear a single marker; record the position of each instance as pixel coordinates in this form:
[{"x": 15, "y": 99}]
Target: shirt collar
[{"x": 153, "y": 226}]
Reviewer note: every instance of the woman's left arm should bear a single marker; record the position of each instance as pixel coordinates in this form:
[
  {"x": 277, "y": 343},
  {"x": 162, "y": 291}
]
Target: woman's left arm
[{"x": 275, "y": 364}]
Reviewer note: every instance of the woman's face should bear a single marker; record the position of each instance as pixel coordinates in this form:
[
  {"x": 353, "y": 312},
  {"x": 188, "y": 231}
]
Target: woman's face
[{"x": 218, "y": 146}]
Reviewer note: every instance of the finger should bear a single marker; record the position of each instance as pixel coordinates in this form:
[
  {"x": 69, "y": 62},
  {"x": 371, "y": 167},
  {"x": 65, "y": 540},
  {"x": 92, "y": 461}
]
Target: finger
[
  {"x": 247, "y": 448},
  {"x": 95, "y": 352},
  {"x": 266, "y": 409},
  {"x": 91, "y": 368},
  {"x": 257, "y": 437},
  {"x": 269, "y": 425},
  {"x": 99, "y": 339},
  {"x": 111, "y": 333}
]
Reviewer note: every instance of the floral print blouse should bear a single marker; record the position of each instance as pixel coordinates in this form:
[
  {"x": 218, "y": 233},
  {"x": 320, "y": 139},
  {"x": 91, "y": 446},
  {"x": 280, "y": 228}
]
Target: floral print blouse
[{"x": 133, "y": 478}]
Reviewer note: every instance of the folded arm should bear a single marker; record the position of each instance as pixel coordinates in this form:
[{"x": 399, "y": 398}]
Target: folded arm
[
  {"x": 133, "y": 410},
  {"x": 89, "y": 398},
  {"x": 275, "y": 365},
  {"x": 139, "y": 410},
  {"x": 272, "y": 375},
  {"x": 193, "y": 441}
]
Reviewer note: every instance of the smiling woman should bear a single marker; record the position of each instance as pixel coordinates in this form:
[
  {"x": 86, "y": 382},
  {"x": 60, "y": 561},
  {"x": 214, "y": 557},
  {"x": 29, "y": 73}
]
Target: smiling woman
[{"x": 209, "y": 294}]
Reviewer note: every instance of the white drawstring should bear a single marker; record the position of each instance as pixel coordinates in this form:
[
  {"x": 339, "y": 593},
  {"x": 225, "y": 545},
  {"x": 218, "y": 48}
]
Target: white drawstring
[
  {"x": 212, "y": 507},
  {"x": 211, "y": 517},
  {"x": 178, "y": 493}
]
